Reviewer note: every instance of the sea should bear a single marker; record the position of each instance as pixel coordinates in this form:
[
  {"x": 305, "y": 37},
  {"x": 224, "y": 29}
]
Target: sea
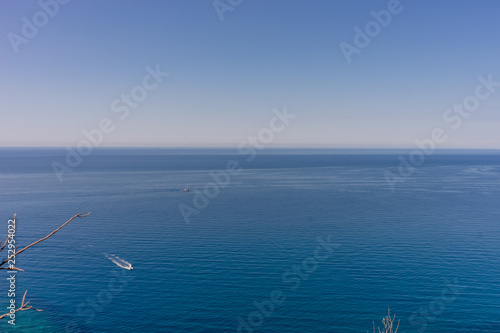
[{"x": 280, "y": 240}]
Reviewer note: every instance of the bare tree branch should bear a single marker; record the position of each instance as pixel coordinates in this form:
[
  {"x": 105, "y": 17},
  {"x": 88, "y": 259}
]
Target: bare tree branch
[
  {"x": 24, "y": 306},
  {"x": 12, "y": 269},
  {"x": 388, "y": 323},
  {"x": 42, "y": 239}
]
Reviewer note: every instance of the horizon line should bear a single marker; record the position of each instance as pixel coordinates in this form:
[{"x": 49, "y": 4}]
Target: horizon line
[{"x": 264, "y": 149}]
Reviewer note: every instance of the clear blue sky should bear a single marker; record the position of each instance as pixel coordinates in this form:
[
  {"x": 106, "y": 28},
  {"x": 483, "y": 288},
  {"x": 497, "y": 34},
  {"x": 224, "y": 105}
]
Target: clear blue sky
[{"x": 227, "y": 76}]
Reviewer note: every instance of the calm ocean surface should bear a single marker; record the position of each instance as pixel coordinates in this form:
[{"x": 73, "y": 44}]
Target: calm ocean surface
[{"x": 430, "y": 250}]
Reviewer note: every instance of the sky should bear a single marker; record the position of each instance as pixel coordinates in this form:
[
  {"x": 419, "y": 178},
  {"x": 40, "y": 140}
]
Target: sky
[{"x": 65, "y": 67}]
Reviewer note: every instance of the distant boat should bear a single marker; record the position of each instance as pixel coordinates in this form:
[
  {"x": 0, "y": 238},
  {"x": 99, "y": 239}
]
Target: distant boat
[
  {"x": 119, "y": 262},
  {"x": 186, "y": 189}
]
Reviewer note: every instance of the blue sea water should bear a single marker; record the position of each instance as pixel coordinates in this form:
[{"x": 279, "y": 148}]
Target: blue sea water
[{"x": 429, "y": 250}]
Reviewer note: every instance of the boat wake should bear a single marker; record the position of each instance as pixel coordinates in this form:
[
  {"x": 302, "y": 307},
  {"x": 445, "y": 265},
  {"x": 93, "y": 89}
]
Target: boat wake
[{"x": 119, "y": 261}]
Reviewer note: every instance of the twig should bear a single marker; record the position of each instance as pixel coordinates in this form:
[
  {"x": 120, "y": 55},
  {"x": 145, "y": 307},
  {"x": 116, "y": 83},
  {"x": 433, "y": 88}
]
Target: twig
[
  {"x": 388, "y": 322},
  {"x": 44, "y": 238},
  {"x": 24, "y": 306}
]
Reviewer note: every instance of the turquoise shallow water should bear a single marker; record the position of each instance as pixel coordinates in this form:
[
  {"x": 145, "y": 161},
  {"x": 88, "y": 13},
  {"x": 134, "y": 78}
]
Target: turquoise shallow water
[{"x": 429, "y": 250}]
